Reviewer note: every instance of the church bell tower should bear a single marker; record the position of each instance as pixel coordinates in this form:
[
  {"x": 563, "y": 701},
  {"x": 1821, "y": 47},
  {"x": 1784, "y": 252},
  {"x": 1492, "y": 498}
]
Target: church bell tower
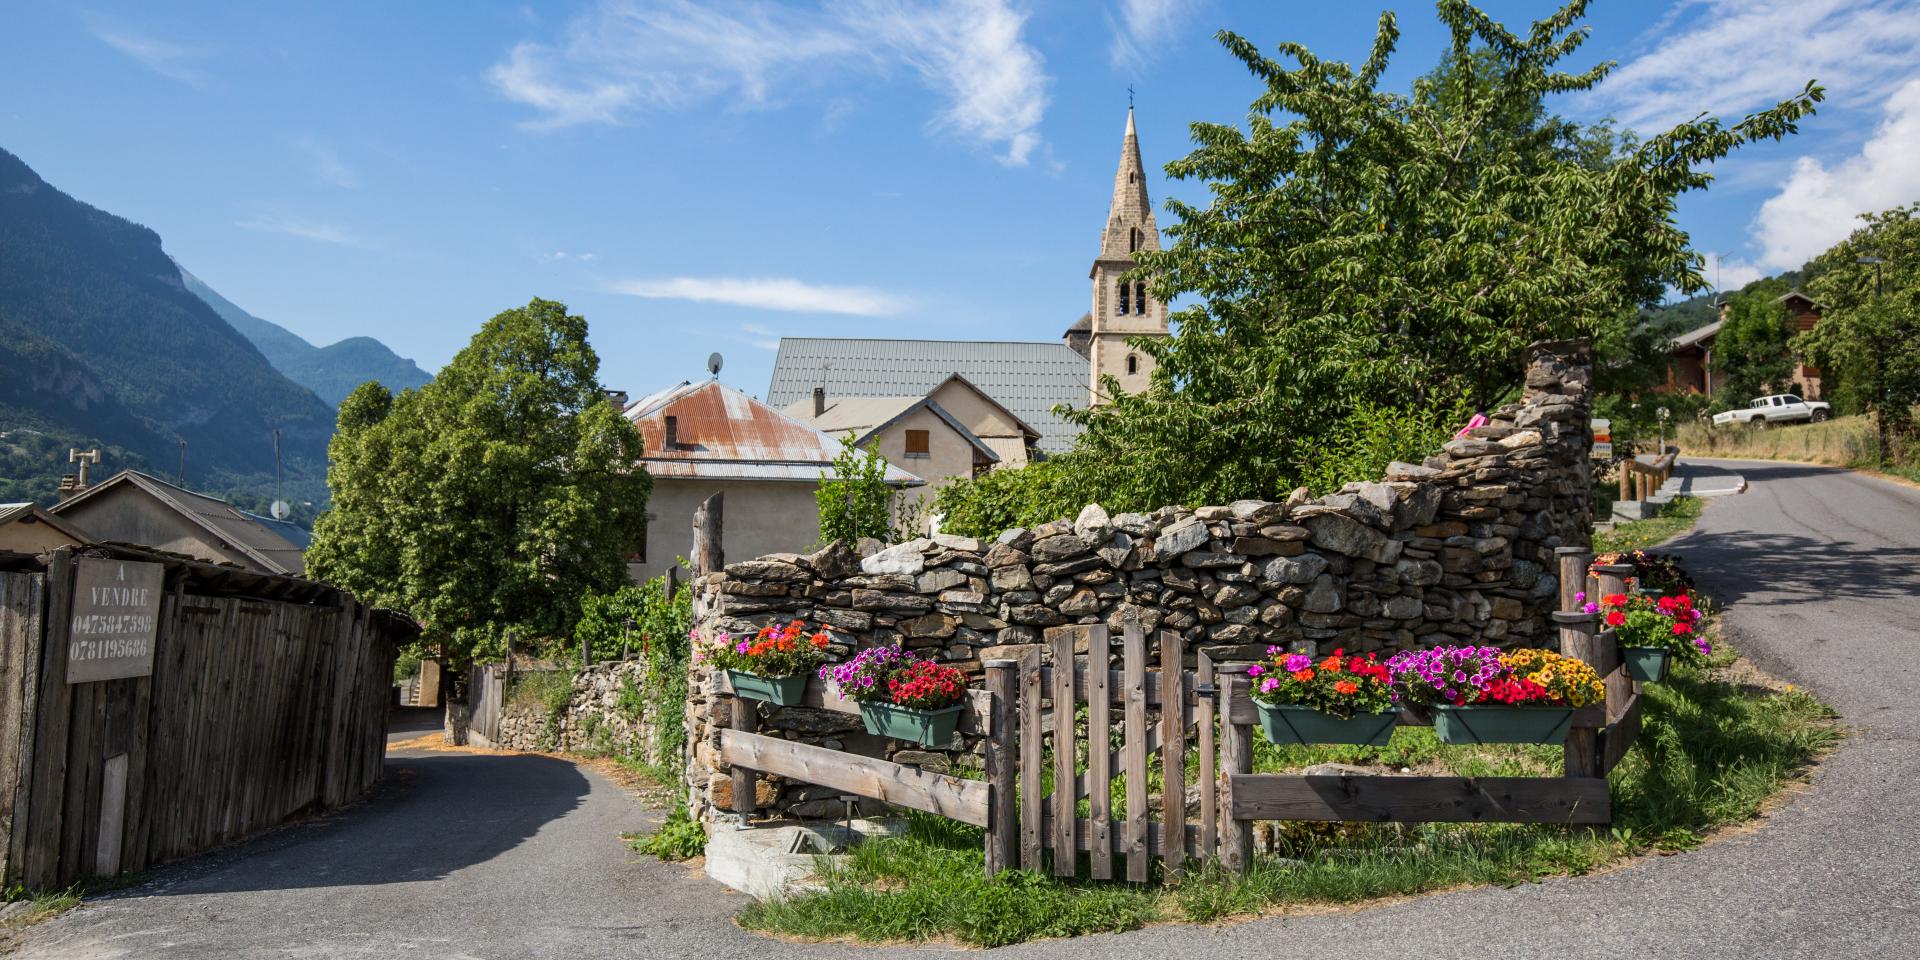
[{"x": 1122, "y": 308}]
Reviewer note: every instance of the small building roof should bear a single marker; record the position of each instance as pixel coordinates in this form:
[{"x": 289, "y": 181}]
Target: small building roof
[
  {"x": 34, "y": 513},
  {"x": 862, "y": 417},
  {"x": 1028, "y": 379},
  {"x": 1796, "y": 294},
  {"x": 275, "y": 545},
  {"x": 723, "y": 434},
  {"x": 1695, "y": 337}
]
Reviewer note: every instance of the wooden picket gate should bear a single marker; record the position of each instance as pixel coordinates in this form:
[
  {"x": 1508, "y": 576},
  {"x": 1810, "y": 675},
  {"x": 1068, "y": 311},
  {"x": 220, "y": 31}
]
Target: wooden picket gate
[{"x": 1030, "y": 808}]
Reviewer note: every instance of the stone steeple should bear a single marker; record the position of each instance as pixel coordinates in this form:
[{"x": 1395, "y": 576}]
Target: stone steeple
[{"x": 1122, "y": 309}]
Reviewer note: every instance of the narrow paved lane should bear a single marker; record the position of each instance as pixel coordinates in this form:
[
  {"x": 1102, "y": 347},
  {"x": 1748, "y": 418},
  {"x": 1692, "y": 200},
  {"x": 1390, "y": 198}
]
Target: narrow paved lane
[{"x": 505, "y": 858}]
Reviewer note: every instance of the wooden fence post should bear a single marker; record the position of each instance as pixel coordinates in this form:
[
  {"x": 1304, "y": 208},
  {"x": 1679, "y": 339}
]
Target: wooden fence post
[
  {"x": 743, "y": 720},
  {"x": 1573, "y": 575},
  {"x": 1065, "y": 802},
  {"x": 708, "y": 552},
  {"x": 1203, "y": 712},
  {"x": 1173, "y": 753},
  {"x": 1236, "y": 748},
  {"x": 1576, "y": 628},
  {"x": 1133, "y": 756},
  {"x": 1612, "y": 579},
  {"x": 1003, "y": 822},
  {"x": 1099, "y": 752}
]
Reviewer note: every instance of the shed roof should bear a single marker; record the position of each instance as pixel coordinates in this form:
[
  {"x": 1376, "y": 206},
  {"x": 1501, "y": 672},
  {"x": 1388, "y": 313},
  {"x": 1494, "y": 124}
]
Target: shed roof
[
  {"x": 1695, "y": 337},
  {"x": 1029, "y": 379},
  {"x": 862, "y": 417},
  {"x": 723, "y": 434},
  {"x": 275, "y": 545}
]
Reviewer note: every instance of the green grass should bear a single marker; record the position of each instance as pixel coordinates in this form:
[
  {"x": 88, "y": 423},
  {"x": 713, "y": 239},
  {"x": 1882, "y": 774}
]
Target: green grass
[
  {"x": 679, "y": 838},
  {"x": 1712, "y": 752},
  {"x": 1675, "y": 518}
]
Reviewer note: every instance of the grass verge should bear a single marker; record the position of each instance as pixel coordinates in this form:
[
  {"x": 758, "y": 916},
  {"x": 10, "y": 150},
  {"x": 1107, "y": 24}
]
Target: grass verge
[
  {"x": 1841, "y": 442},
  {"x": 21, "y": 908},
  {"x": 1676, "y": 517},
  {"x": 1716, "y": 746}
]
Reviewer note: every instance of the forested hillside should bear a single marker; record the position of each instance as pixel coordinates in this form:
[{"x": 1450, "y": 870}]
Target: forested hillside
[{"x": 102, "y": 343}]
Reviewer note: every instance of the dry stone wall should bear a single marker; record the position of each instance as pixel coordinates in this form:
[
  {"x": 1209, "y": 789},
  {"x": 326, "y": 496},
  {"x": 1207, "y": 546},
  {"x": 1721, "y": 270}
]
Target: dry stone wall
[
  {"x": 1458, "y": 548},
  {"x": 603, "y": 714}
]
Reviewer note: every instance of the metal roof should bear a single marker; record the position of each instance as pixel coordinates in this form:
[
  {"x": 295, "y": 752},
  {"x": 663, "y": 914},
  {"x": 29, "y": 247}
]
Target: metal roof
[
  {"x": 1028, "y": 379},
  {"x": 723, "y": 434},
  {"x": 1693, "y": 337},
  {"x": 274, "y": 545}
]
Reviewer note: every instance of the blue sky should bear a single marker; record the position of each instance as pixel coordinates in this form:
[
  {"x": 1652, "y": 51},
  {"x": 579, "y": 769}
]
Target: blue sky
[{"x": 710, "y": 177}]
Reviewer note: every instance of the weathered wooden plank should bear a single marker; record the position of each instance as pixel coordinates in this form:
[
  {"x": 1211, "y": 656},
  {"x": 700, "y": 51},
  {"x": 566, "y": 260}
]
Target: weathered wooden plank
[
  {"x": 1236, "y": 759},
  {"x": 824, "y": 695},
  {"x": 1580, "y": 756},
  {"x": 1032, "y": 787},
  {"x": 1572, "y": 800},
  {"x": 1099, "y": 776},
  {"x": 1173, "y": 752},
  {"x": 1064, "y": 802},
  {"x": 1209, "y": 773},
  {"x": 24, "y": 626},
  {"x": 1115, "y": 681},
  {"x": 47, "y": 808},
  {"x": 1618, "y": 738},
  {"x": 950, "y": 797},
  {"x": 1003, "y": 821},
  {"x": 1133, "y": 657},
  {"x": 113, "y": 808}
]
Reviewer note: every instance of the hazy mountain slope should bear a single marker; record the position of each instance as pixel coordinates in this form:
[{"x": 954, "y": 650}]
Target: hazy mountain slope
[{"x": 330, "y": 371}]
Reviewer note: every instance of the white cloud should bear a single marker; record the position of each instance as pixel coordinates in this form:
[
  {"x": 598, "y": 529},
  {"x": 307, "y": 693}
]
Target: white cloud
[
  {"x": 1818, "y": 206},
  {"x": 315, "y": 230},
  {"x": 171, "y": 60},
  {"x": 1144, "y": 25},
  {"x": 559, "y": 255},
  {"x": 326, "y": 163},
  {"x": 625, "y": 57},
  {"x": 1730, "y": 57},
  {"x": 1730, "y": 274},
  {"x": 772, "y": 293}
]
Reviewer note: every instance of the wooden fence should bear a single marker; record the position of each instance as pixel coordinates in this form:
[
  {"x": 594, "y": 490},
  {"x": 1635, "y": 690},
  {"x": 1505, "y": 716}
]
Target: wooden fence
[
  {"x": 1639, "y": 481},
  {"x": 1031, "y": 809},
  {"x": 267, "y": 698}
]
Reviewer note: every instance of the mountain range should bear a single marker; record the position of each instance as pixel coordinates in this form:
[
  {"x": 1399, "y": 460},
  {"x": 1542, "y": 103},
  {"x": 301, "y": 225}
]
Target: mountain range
[{"x": 103, "y": 343}]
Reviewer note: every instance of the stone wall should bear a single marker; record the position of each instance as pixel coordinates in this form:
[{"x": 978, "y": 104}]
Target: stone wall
[
  {"x": 1456, "y": 549},
  {"x": 602, "y": 715}
]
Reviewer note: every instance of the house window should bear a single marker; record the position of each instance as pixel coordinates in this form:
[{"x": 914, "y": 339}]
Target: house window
[
  {"x": 1122, "y": 290},
  {"x": 1133, "y": 363},
  {"x": 918, "y": 444}
]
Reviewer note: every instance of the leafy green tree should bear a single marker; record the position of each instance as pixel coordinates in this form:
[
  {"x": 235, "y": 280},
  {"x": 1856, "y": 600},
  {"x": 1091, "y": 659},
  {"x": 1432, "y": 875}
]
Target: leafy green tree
[
  {"x": 493, "y": 498},
  {"x": 854, "y": 498},
  {"x": 1867, "y": 343},
  {"x": 1371, "y": 257},
  {"x": 1752, "y": 348}
]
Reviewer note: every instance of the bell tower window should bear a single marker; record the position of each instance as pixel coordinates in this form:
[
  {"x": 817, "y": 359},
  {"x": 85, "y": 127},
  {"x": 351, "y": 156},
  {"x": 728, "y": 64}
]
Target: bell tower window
[
  {"x": 1133, "y": 363},
  {"x": 1121, "y": 309},
  {"x": 1140, "y": 297}
]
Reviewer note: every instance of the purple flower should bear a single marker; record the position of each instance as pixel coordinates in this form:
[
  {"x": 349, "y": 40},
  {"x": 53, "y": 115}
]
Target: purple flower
[
  {"x": 740, "y": 647},
  {"x": 1256, "y": 670},
  {"x": 1298, "y": 661},
  {"x": 1268, "y": 685}
]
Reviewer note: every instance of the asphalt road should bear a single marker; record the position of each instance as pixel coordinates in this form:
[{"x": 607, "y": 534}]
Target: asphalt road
[{"x": 505, "y": 858}]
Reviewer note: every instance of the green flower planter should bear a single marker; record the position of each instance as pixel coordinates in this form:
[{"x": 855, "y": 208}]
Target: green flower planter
[
  {"x": 779, "y": 691},
  {"x": 1293, "y": 723},
  {"x": 1646, "y": 664},
  {"x": 1497, "y": 724},
  {"x": 928, "y": 728}
]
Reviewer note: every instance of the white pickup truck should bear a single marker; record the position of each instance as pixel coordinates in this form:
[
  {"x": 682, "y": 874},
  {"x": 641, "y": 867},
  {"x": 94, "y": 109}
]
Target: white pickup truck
[{"x": 1779, "y": 408}]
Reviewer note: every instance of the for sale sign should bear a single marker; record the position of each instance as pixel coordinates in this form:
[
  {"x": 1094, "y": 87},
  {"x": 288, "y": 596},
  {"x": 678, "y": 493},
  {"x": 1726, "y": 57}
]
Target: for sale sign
[
  {"x": 1602, "y": 439},
  {"x": 116, "y": 617}
]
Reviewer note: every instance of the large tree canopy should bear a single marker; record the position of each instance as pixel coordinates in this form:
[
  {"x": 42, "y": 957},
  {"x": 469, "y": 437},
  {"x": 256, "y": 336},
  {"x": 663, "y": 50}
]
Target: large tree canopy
[
  {"x": 1867, "y": 343},
  {"x": 1371, "y": 263},
  {"x": 493, "y": 498}
]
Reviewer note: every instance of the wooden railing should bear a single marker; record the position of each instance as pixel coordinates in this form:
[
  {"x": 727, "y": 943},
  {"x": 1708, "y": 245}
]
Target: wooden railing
[
  {"x": 1030, "y": 806},
  {"x": 1641, "y": 480}
]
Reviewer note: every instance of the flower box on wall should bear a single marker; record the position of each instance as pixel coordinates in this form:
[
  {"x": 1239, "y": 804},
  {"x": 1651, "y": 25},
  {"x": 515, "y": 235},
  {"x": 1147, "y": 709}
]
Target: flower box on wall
[
  {"x": 1646, "y": 664},
  {"x": 1291, "y": 723},
  {"x": 928, "y": 728},
  {"x": 779, "y": 691},
  {"x": 1500, "y": 724}
]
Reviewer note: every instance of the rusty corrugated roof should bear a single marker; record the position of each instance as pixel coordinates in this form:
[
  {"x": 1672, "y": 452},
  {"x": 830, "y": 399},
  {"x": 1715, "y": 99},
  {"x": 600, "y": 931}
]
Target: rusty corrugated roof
[{"x": 723, "y": 434}]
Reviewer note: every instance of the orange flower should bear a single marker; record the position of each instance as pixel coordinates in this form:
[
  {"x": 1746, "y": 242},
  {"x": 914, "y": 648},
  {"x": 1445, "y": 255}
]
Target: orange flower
[
  {"x": 1346, "y": 688},
  {"x": 1303, "y": 675}
]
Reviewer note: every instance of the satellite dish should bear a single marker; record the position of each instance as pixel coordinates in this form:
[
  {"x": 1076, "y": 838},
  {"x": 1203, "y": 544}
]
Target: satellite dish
[
  {"x": 713, "y": 364},
  {"x": 280, "y": 509}
]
